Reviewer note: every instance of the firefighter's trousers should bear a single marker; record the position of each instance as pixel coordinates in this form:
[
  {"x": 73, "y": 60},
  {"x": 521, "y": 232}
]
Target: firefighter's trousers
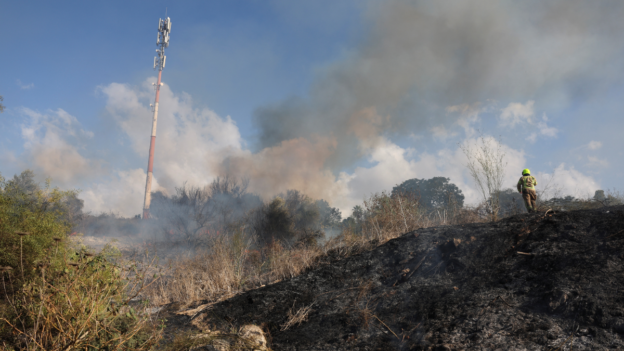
[{"x": 529, "y": 196}]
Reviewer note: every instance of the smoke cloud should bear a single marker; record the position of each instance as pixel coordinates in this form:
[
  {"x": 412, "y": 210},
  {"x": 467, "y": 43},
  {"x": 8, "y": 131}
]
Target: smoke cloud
[
  {"x": 52, "y": 142},
  {"x": 566, "y": 180},
  {"x": 426, "y": 70},
  {"x": 190, "y": 142},
  {"x": 120, "y": 193},
  {"x": 422, "y": 57},
  {"x": 427, "y": 67}
]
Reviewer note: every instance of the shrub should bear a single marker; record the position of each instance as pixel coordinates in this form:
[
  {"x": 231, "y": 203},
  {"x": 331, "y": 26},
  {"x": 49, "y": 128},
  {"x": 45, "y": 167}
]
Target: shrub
[
  {"x": 274, "y": 222},
  {"x": 53, "y": 295},
  {"x": 81, "y": 303},
  {"x": 294, "y": 218},
  {"x": 385, "y": 217},
  {"x": 233, "y": 263},
  {"x": 194, "y": 212},
  {"x": 40, "y": 215},
  {"x": 486, "y": 164}
]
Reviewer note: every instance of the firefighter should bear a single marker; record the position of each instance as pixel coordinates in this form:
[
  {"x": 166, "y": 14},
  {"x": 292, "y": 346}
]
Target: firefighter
[{"x": 526, "y": 186}]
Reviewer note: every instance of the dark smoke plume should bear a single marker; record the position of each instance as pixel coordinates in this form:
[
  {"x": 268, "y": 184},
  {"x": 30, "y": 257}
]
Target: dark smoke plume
[{"x": 422, "y": 57}]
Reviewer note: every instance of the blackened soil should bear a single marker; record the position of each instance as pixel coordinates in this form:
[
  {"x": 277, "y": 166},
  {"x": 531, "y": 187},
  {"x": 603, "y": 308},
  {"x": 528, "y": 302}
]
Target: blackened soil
[{"x": 458, "y": 288}]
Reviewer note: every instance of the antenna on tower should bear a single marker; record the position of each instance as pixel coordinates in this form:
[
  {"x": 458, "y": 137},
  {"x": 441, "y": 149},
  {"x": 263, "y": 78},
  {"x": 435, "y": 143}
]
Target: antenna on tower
[{"x": 162, "y": 42}]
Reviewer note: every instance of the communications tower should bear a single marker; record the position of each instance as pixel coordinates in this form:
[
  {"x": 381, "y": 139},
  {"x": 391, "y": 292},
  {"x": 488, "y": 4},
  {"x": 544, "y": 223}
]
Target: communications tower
[{"x": 162, "y": 41}]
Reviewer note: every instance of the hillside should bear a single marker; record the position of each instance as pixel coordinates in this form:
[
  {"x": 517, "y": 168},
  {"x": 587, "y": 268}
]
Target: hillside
[{"x": 529, "y": 282}]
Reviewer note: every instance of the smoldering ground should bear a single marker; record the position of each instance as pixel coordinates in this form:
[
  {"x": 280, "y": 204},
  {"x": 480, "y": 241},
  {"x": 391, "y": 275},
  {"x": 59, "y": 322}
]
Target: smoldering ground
[{"x": 529, "y": 282}]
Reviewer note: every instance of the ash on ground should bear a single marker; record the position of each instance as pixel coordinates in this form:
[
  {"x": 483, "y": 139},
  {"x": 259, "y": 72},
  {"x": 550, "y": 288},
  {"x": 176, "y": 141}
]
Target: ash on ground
[{"x": 529, "y": 282}]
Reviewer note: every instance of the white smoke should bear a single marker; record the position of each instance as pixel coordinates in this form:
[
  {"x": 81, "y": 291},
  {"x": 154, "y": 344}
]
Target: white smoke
[
  {"x": 566, "y": 181},
  {"x": 121, "y": 193},
  {"x": 52, "y": 143},
  {"x": 424, "y": 69},
  {"x": 196, "y": 146},
  {"x": 190, "y": 142}
]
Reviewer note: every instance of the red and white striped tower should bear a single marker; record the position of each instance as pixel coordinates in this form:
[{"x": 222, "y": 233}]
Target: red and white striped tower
[{"x": 164, "y": 28}]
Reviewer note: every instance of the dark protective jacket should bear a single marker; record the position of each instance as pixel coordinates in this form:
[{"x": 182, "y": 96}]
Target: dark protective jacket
[{"x": 527, "y": 182}]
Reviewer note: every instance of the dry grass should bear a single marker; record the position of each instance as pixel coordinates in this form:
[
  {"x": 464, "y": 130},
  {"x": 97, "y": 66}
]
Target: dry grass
[
  {"x": 363, "y": 307},
  {"x": 393, "y": 216},
  {"x": 215, "y": 272},
  {"x": 247, "y": 338},
  {"x": 225, "y": 268},
  {"x": 229, "y": 265},
  {"x": 296, "y": 318},
  {"x": 78, "y": 303}
]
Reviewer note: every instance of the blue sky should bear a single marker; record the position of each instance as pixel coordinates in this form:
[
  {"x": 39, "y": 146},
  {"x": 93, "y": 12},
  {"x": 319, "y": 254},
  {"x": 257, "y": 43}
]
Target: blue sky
[
  {"x": 232, "y": 56},
  {"x": 338, "y": 100}
]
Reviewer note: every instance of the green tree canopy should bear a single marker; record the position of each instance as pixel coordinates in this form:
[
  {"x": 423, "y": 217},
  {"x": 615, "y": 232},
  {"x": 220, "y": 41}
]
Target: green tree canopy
[
  {"x": 329, "y": 216},
  {"x": 433, "y": 193},
  {"x": 42, "y": 212}
]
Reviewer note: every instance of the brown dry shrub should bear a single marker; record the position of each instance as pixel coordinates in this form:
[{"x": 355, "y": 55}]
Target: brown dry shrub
[
  {"x": 227, "y": 268},
  {"x": 218, "y": 271},
  {"x": 81, "y": 302},
  {"x": 230, "y": 265},
  {"x": 390, "y": 216}
]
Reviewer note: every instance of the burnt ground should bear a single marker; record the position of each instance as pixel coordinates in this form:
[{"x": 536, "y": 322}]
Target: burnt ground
[{"x": 455, "y": 288}]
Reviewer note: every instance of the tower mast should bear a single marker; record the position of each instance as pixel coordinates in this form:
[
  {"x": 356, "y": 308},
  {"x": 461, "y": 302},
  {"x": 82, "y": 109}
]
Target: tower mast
[{"x": 162, "y": 41}]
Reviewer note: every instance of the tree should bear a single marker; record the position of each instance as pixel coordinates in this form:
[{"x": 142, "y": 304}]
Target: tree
[
  {"x": 1, "y": 105},
  {"x": 46, "y": 280},
  {"x": 193, "y": 211},
  {"x": 294, "y": 218},
  {"x": 307, "y": 226},
  {"x": 302, "y": 209},
  {"x": 353, "y": 223},
  {"x": 23, "y": 185},
  {"x": 23, "y": 189},
  {"x": 437, "y": 192},
  {"x": 611, "y": 199},
  {"x": 486, "y": 164},
  {"x": 39, "y": 211},
  {"x": 329, "y": 216},
  {"x": 358, "y": 213},
  {"x": 274, "y": 222},
  {"x": 229, "y": 199}
]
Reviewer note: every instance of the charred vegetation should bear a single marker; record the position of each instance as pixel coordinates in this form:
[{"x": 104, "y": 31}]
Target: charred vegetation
[{"x": 549, "y": 280}]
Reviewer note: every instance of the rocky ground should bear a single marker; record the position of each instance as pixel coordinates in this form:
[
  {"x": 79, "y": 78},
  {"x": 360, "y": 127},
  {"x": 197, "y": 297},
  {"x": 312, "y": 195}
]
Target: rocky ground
[{"x": 529, "y": 282}]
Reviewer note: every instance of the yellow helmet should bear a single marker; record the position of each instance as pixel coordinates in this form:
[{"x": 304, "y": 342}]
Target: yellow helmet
[{"x": 526, "y": 171}]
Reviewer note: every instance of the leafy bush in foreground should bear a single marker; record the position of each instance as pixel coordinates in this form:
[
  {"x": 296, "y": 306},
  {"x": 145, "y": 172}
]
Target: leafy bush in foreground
[
  {"x": 57, "y": 297},
  {"x": 39, "y": 214}
]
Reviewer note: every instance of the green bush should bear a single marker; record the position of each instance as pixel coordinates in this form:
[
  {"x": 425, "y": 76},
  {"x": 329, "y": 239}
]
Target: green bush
[
  {"x": 294, "y": 219},
  {"x": 39, "y": 212},
  {"x": 81, "y": 304},
  {"x": 55, "y": 296}
]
